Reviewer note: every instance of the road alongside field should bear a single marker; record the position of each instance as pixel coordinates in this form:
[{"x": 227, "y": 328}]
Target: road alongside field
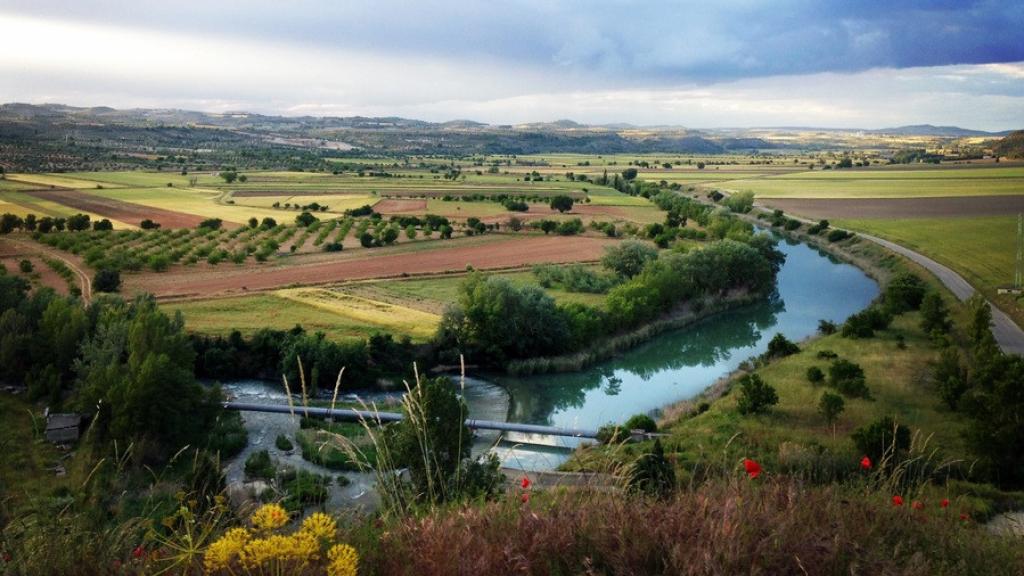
[{"x": 1009, "y": 336}]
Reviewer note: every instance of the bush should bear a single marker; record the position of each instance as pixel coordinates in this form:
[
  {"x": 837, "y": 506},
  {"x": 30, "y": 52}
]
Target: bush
[
  {"x": 756, "y": 396},
  {"x": 259, "y": 465},
  {"x": 848, "y": 378},
  {"x": 815, "y": 375},
  {"x": 818, "y": 228},
  {"x": 561, "y": 203},
  {"x": 882, "y": 438},
  {"x": 831, "y": 406},
  {"x": 305, "y": 488},
  {"x": 864, "y": 323},
  {"x": 333, "y": 247},
  {"x": 934, "y": 314},
  {"x": 652, "y": 473},
  {"x": 628, "y": 258},
  {"x": 211, "y": 224},
  {"x": 25, "y": 266},
  {"x": 827, "y": 327},
  {"x": 838, "y": 235},
  {"x": 780, "y": 347},
  {"x": 641, "y": 422},
  {"x": 107, "y": 280}
]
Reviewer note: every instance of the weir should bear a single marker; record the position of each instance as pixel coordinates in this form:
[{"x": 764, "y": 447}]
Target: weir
[{"x": 382, "y": 417}]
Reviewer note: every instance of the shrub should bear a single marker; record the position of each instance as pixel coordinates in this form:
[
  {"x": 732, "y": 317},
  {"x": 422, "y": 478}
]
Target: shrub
[
  {"x": 827, "y": 355},
  {"x": 934, "y": 314},
  {"x": 827, "y": 327},
  {"x": 641, "y": 422},
  {"x": 950, "y": 378},
  {"x": 838, "y": 235},
  {"x": 305, "y": 488},
  {"x": 628, "y": 258},
  {"x": 864, "y": 323},
  {"x": 333, "y": 247},
  {"x": 818, "y": 228},
  {"x": 882, "y": 438},
  {"x": 652, "y": 473},
  {"x": 25, "y": 266},
  {"x": 283, "y": 443},
  {"x": 211, "y": 224},
  {"x": 848, "y": 378},
  {"x": 259, "y": 465},
  {"x": 815, "y": 375},
  {"x": 756, "y": 396},
  {"x": 780, "y": 347}
]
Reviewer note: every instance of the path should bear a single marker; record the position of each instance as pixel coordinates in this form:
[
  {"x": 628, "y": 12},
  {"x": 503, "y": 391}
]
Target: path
[
  {"x": 1009, "y": 336},
  {"x": 85, "y": 284}
]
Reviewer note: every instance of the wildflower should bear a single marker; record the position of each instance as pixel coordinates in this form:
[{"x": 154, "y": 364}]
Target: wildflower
[
  {"x": 944, "y": 503},
  {"x": 138, "y": 552},
  {"x": 965, "y": 517},
  {"x": 269, "y": 517},
  {"x": 865, "y": 463},
  {"x": 753, "y": 468},
  {"x": 524, "y": 498},
  {"x": 262, "y": 551},
  {"x": 220, "y": 554},
  {"x": 320, "y": 526},
  {"x": 917, "y": 505},
  {"x": 342, "y": 560},
  {"x": 897, "y": 500},
  {"x": 525, "y": 483}
]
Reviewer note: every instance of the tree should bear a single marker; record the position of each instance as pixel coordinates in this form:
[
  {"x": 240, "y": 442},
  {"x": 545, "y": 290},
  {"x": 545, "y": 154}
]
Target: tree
[
  {"x": 904, "y": 292},
  {"x": 950, "y": 378},
  {"x": 741, "y": 202},
  {"x": 831, "y": 406},
  {"x": 229, "y": 176},
  {"x": 756, "y": 395},
  {"x": 78, "y": 222},
  {"x": 700, "y": 165},
  {"x": 561, "y": 203},
  {"x": 389, "y": 236},
  {"x": 367, "y": 240},
  {"x": 148, "y": 224},
  {"x": 548, "y": 226},
  {"x": 30, "y": 222},
  {"x": 103, "y": 224},
  {"x": 934, "y": 314},
  {"x": 268, "y": 223},
  {"x": 107, "y": 280},
  {"x": 306, "y": 219},
  {"x": 253, "y": 222},
  {"x": 629, "y": 174},
  {"x": 25, "y": 266},
  {"x": 9, "y": 223},
  {"x": 628, "y": 258},
  {"x": 980, "y": 323},
  {"x": 211, "y": 224}
]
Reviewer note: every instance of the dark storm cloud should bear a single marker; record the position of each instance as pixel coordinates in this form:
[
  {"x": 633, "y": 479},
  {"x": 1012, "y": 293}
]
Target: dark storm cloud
[{"x": 654, "y": 42}]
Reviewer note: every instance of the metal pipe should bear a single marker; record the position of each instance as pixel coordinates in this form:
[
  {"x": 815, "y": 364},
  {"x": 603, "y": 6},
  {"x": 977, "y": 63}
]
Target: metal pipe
[{"x": 381, "y": 417}]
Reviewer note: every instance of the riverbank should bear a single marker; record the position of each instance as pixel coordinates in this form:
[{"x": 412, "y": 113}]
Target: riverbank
[{"x": 684, "y": 315}]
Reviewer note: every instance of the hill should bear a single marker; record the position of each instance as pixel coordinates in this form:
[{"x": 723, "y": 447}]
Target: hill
[{"x": 1012, "y": 146}]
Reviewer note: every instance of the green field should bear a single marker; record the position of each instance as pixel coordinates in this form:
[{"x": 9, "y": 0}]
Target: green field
[
  {"x": 885, "y": 183},
  {"x": 982, "y": 250}
]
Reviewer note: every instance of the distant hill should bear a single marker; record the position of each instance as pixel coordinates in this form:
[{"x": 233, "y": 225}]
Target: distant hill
[
  {"x": 930, "y": 130},
  {"x": 1012, "y": 146}
]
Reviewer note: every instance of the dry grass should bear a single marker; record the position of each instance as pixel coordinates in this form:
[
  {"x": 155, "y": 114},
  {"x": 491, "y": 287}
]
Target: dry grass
[{"x": 397, "y": 318}]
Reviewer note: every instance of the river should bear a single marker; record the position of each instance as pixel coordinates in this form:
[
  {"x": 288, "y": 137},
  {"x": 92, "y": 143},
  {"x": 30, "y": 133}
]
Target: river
[{"x": 674, "y": 366}]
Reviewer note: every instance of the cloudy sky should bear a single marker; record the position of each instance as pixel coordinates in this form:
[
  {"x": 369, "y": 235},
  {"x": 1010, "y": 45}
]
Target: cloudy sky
[{"x": 847, "y": 63}]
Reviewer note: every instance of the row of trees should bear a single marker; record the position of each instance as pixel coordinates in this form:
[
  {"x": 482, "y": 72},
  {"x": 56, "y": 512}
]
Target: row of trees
[{"x": 496, "y": 320}]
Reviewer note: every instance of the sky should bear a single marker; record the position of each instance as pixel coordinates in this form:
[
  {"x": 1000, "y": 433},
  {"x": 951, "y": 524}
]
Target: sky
[{"x": 701, "y": 64}]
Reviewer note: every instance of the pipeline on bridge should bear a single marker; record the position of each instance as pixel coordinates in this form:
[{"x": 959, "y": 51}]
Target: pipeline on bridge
[{"x": 381, "y": 417}]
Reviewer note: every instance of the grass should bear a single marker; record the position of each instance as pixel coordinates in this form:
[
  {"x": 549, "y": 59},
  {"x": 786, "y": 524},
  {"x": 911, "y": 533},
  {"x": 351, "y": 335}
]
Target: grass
[
  {"x": 26, "y": 470},
  {"x": 886, "y": 183},
  {"x": 58, "y": 180},
  {"x": 981, "y": 249}
]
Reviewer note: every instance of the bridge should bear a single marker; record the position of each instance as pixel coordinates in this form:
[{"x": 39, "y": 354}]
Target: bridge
[{"x": 382, "y": 417}]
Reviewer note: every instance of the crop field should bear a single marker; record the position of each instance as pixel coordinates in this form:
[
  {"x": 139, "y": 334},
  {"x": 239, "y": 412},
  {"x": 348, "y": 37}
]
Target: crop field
[
  {"x": 982, "y": 250},
  {"x": 890, "y": 208},
  {"x": 390, "y": 317},
  {"x": 886, "y": 183}
]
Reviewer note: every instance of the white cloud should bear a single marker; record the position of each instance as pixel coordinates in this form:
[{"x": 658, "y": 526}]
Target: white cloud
[{"x": 93, "y": 64}]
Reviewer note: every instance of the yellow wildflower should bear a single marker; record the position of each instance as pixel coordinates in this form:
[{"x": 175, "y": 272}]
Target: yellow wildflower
[
  {"x": 220, "y": 554},
  {"x": 269, "y": 517},
  {"x": 262, "y": 552},
  {"x": 320, "y": 526},
  {"x": 343, "y": 560},
  {"x": 305, "y": 548}
]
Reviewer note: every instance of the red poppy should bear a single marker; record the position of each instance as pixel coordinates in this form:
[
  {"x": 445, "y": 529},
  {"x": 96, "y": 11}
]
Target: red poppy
[
  {"x": 525, "y": 497},
  {"x": 753, "y": 468},
  {"x": 525, "y": 483},
  {"x": 865, "y": 463},
  {"x": 965, "y": 517},
  {"x": 897, "y": 500},
  {"x": 139, "y": 552},
  {"x": 944, "y": 503},
  {"x": 917, "y": 505}
]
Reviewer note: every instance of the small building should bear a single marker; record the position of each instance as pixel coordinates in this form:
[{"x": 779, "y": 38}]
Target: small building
[{"x": 63, "y": 428}]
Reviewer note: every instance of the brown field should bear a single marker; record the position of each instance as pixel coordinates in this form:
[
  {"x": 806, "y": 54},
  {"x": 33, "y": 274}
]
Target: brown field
[
  {"x": 400, "y": 206},
  {"x": 942, "y": 207},
  {"x": 448, "y": 256},
  {"x": 12, "y": 254},
  {"x": 116, "y": 209}
]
